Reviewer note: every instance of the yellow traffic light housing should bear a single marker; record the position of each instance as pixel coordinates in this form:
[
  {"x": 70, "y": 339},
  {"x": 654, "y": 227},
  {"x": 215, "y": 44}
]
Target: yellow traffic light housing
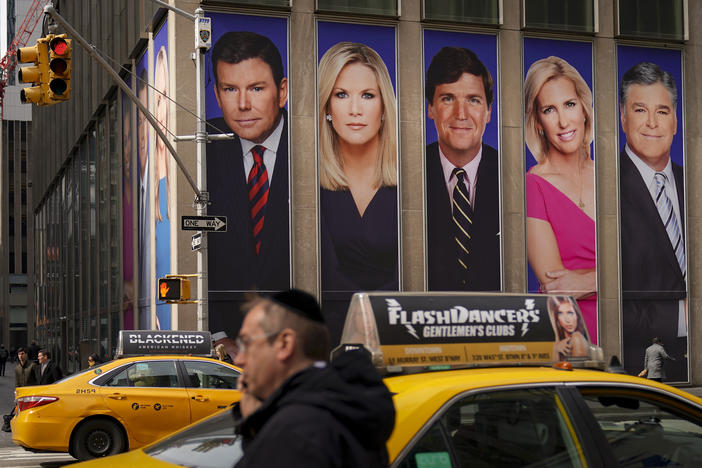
[
  {"x": 59, "y": 79},
  {"x": 174, "y": 288},
  {"x": 37, "y": 74}
]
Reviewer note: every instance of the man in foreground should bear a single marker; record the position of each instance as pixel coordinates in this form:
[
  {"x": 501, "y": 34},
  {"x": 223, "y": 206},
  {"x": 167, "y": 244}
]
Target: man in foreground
[{"x": 296, "y": 408}]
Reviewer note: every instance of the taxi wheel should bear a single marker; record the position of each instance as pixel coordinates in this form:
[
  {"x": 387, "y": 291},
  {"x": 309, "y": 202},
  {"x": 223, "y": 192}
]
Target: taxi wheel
[{"x": 98, "y": 438}]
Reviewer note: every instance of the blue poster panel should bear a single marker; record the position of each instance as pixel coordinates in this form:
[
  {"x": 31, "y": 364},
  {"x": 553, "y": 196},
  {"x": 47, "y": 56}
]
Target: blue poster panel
[
  {"x": 358, "y": 166},
  {"x": 652, "y": 211},
  {"x": 127, "y": 210},
  {"x": 560, "y": 180},
  {"x": 144, "y": 196},
  {"x": 247, "y": 177},
  {"x": 462, "y": 162},
  {"x": 163, "y": 204}
]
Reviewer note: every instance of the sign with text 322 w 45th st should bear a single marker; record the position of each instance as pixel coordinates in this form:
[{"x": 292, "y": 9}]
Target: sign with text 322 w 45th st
[{"x": 203, "y": 223}]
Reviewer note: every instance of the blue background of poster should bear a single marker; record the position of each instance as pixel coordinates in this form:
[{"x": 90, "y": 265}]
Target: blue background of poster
[
  {"x": 379, "y": 38},
  {"x": 276, "y": 29},
  {"x": 578, "y": 54},
  {"x": 485, "y": 47},
  {"x": 162, "y": 228},
  {"x": 670, "y": 61}
]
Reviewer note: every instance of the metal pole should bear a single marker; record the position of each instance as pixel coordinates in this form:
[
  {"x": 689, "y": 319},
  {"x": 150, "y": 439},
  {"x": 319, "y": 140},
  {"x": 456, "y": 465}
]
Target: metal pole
[
  {"x": 49, "y": 9},
  {"x": 201, "y": 208}
]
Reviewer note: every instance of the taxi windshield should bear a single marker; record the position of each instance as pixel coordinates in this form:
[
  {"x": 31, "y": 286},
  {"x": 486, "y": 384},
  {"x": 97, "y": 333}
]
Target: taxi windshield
[{"x": 97, "y": 370}]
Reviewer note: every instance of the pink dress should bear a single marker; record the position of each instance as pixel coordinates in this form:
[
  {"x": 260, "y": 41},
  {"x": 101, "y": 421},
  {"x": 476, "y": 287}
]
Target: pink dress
[{"x": 575, "y": 235}]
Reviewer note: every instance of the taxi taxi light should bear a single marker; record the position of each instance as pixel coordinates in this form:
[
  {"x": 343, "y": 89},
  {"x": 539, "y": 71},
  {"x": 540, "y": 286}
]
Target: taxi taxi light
[
  {"x": 25, "y": 403},
  {"x": 563, "y": 365}
]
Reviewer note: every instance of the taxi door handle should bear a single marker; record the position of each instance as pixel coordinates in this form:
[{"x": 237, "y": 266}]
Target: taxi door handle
[
  {"x": 117, "y": 396},
  {"x": 200, "y": 398}
]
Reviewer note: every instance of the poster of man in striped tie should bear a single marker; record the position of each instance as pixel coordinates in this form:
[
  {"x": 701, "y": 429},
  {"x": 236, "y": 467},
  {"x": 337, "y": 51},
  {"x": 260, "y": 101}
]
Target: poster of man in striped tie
[
  {"x": 247, "y": 177},
  {"x": 653, "y": 246}
]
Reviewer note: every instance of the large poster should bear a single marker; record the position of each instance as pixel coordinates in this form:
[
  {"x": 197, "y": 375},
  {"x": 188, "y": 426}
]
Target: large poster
[
  {"x": 560, "y": 180},
  {"x": 358, "y": 166},
  {"x": 127, "y": 211},
  {"x": 462, "y": 162},
  {"x": 248, "y": 176},
  {"x": 144, "y": 196},
  {"x": 652, "y": 208},
  {"x": 163, "y": 203}
]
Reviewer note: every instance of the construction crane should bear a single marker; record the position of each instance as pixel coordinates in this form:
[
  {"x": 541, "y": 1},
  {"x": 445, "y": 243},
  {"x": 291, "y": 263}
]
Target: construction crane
[{"x": 8, "y": 62}]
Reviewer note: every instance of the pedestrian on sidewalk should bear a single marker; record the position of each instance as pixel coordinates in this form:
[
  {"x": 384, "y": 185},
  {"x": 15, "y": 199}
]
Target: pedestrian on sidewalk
[
  {"x": 4, "y": 354},
  {"x": 654, "y": 360},
  {"x": 47, "y": 372},
  {"x": 24, "y": 376}
]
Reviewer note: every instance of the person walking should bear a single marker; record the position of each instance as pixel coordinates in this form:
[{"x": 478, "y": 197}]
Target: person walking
[
  {"x": 296, "y": 408},
  {"x": 654, "y": 360},
  {"x": 47, "y": 372},
  {"x": 4, "y": 354},
  {"x": 24, "y": 376},
  {"x": 222, "y": 354}
]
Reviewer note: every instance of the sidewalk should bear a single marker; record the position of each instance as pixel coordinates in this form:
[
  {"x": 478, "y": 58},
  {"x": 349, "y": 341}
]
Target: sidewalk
[{"x": 7, "y": 398}]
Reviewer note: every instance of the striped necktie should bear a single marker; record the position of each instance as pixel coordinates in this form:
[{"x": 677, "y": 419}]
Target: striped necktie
[
  {"x": 462, "y": 219},
  {"x": 258, "y": 195},
  {"x": 670, "y": 220}
]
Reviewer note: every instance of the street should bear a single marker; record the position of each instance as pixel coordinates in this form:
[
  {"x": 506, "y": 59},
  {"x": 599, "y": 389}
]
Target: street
[{"x": 12, "y": 455}]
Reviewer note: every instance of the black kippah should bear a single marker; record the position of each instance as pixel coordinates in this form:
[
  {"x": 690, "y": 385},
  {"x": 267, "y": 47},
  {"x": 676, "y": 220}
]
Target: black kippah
[{"x": 301, "y": 303}]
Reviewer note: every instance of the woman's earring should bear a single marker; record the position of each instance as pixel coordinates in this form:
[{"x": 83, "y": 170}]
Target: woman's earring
[
  {"x": 329, "y": 118},
  {"x": 382, "y": 118},
  {"x": 541, "y": 132}
]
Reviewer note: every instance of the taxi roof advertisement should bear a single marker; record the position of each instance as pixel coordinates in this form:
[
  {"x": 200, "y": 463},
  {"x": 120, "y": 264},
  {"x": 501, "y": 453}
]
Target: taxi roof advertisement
[
  {"x": 470, "y": 329},
  {"x": 138, "y": 342}
]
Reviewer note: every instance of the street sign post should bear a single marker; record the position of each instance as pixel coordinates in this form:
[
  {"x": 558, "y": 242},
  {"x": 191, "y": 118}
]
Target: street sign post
[
  {"x": 196, "y": 243},
  {"x": 203, "y": 223}
]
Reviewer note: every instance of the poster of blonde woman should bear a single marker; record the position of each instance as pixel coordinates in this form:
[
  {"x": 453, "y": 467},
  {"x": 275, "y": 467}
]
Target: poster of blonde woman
[
  {"x": 560, "y": 181},
  {"x": 357, "y": 122}
]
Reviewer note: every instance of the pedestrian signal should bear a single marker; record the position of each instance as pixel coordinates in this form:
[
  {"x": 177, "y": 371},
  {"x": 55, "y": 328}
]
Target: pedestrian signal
[{"x": 173, "y": 289}]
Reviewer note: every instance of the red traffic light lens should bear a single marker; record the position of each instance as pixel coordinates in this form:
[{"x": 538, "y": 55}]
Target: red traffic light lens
[{"x": 59, "y": 46}]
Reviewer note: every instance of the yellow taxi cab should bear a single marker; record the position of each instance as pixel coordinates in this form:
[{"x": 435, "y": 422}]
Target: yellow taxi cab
[
  {"x": 129, "y": 402},
  {"x": 478, "y": 381}
]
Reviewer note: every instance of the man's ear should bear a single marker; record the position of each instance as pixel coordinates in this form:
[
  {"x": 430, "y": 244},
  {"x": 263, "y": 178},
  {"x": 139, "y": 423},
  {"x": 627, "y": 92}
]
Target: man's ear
[
  {"x": 216, "y": 90},
  {"x": 286, "y": 343},
  {"x": 283, "y": 92},
  {"x": 622, "y": 118},
  {"x": 430, "y": 111}
]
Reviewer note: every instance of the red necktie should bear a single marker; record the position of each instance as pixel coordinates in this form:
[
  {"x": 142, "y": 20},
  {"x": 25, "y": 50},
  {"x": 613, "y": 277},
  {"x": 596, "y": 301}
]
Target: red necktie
[{"x": 258, "y": 195}]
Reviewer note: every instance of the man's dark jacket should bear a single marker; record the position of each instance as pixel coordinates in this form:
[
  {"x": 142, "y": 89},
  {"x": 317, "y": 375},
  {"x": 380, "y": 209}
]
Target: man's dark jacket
[
  {"x": 337, "y": 416},
  {"x": 51, "y": 374},
  {"x": 25, "y": 374},
  {"x": 443, "y": 272},
  {"x": 234, "y": 267},
  {"x": 652, "y": 281}
]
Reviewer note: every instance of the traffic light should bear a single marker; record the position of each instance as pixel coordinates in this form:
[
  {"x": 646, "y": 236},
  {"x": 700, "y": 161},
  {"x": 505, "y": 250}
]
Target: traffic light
[
  {"x": 59, "y": 79},
  {"x": 38, "y": 74},
  {"x": 173, "y": 289}
]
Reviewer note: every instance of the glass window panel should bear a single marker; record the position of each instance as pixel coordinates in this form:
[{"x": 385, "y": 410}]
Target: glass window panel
[
  {"x": 211, "y": 375},
  {"x": 560, "y": 15},
  {"x": 661, "y": 19},
  {"x": 278, "y": 3},
  {"x": 464, "y": 11},
  {"x": 115, "y": 198},
  {"x": 370, "y": 7},
  {"x": 647, "y": 430}
]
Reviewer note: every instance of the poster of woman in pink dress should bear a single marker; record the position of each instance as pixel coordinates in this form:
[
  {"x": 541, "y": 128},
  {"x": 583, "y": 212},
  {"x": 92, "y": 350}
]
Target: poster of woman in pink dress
[{"x": 560, "y": 187}]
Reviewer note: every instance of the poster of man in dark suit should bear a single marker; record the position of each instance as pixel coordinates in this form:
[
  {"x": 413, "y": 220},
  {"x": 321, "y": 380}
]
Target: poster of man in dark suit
[
  {"x": 653, "y": 244},
  {"x": 247, "y": 177},
  {"x": 463, "y": 241}
]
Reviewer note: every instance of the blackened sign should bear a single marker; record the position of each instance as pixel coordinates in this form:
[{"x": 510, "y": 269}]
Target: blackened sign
[
  {"x": 410, "y": 320},
  {"x": 139, "y": 342}
]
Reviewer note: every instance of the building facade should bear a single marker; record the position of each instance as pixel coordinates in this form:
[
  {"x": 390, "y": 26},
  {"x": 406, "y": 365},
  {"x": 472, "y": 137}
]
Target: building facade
[{"x": 107, "y": 199}]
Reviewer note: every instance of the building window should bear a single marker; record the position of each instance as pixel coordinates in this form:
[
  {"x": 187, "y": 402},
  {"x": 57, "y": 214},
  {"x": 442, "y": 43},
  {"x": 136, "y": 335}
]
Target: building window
[
  {"x": 367, "y": 7},
  {"x": 274, "y": 3},
  {"x": 560, "y": 15},
  {"x": 653, "y": 19},
  {"x": 462, "y": 11}
]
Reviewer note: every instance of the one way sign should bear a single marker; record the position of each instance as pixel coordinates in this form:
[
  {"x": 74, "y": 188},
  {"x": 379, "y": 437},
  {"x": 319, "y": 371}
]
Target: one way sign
[{"x": 203, "y": 223}]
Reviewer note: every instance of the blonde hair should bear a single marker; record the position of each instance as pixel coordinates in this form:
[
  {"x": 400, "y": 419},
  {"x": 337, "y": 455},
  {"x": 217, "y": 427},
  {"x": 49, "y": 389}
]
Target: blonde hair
[
  {"x": 331, "y": 170},
  {"x": 221, "y": 352},
  {"x": 541, "y": 72},
  {"x": 162, "y": 61}
]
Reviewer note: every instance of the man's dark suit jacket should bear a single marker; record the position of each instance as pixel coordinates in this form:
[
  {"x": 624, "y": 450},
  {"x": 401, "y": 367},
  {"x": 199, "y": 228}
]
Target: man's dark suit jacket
[
  {"x": 443, "y": 268},
  {"x": 233, "y": 266},
  {"x": 51, "y": 374},
  {"x": 652, "y": 282}
]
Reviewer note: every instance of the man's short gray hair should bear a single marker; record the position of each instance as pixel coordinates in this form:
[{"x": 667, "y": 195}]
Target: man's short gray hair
[{"x": 647, "y": 73}]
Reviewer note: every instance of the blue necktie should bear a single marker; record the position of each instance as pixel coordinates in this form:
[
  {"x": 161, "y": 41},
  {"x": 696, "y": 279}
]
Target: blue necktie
[
  {"x": 670, "y": 220},
  {"x": 463, "y": 221}
]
